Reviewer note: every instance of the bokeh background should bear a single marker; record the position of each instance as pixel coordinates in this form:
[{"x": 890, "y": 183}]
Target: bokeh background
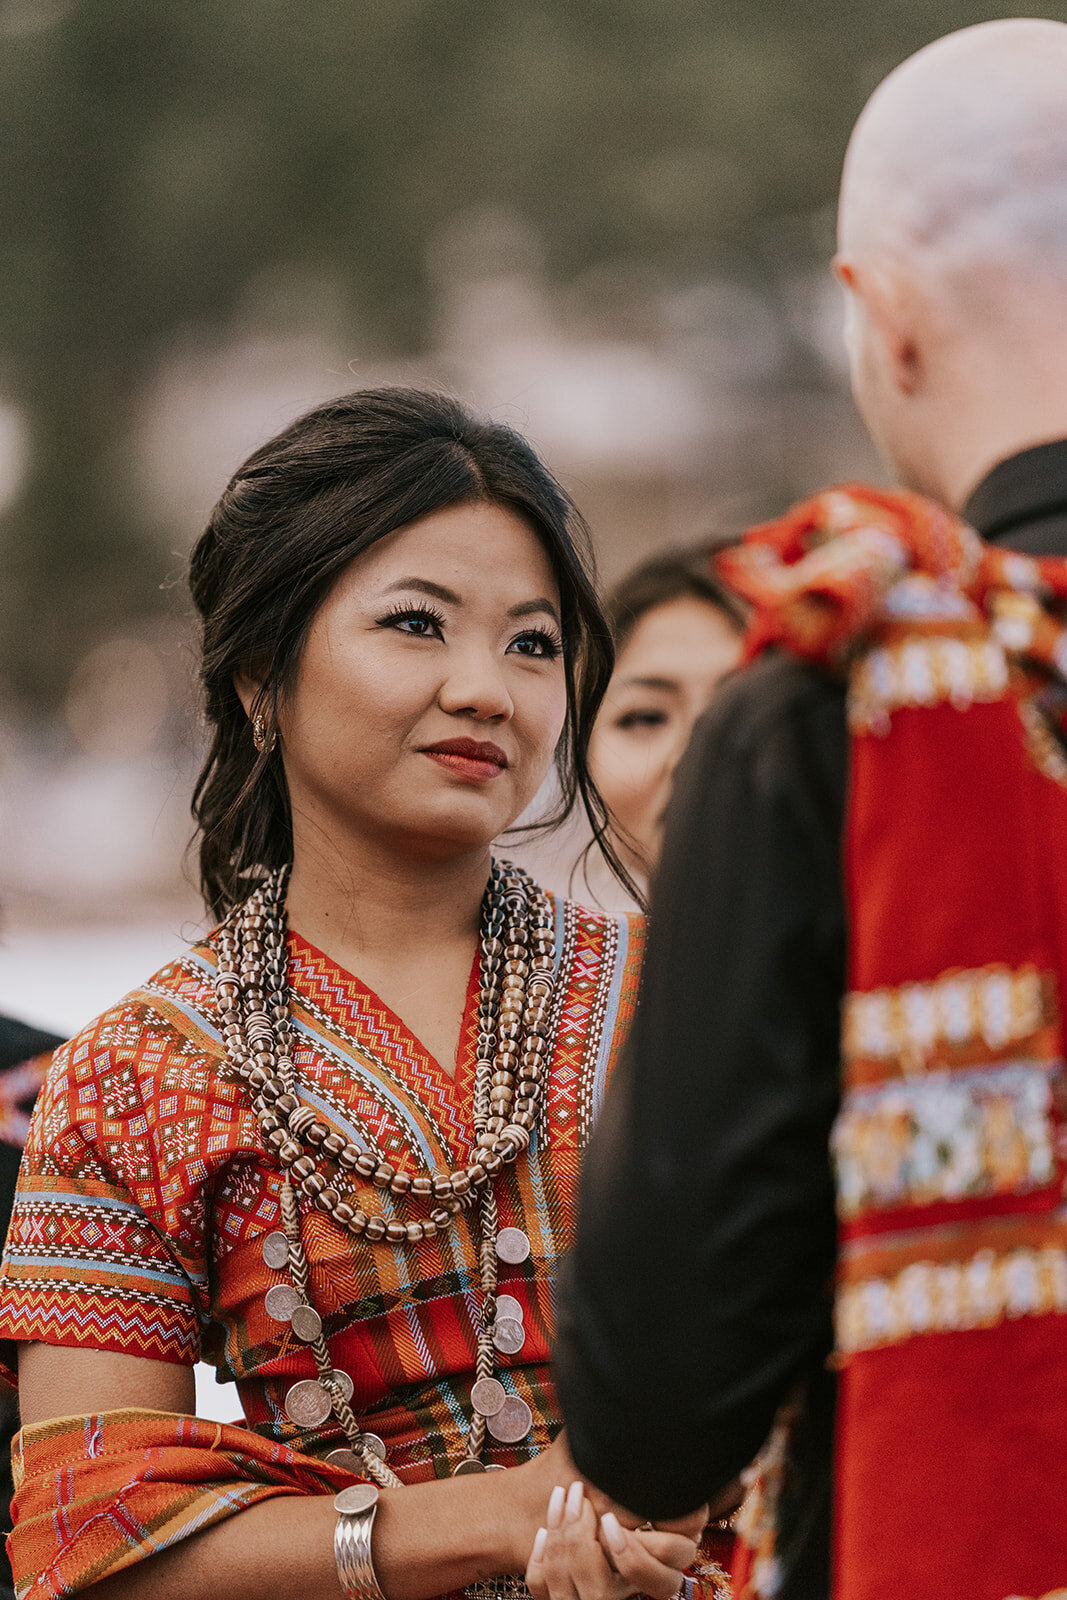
[{"x": 605, "y": 221}]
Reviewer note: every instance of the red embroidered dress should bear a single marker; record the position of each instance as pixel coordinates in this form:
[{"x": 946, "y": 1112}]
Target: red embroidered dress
[{"x": 144, "y": 1197}]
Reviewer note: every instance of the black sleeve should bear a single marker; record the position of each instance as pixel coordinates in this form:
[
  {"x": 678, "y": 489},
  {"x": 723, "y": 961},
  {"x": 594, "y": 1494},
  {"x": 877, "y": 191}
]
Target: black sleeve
[{"x": 699, "y": 1288}]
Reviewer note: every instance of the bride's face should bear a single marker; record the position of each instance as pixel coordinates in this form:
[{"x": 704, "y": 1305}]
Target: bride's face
[{"x": 430, "y": 694}]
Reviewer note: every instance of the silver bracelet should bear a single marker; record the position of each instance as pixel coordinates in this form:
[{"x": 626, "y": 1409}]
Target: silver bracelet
[{"x": 355, "y": 1509}]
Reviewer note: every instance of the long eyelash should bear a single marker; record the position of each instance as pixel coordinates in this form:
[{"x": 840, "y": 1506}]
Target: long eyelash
[
  {"x": 399, "y": 612},
  {"x": 552, "y": 643}
]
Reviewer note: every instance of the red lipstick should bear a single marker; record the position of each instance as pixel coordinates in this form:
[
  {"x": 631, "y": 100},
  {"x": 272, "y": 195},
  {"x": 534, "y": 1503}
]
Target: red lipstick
[{"x": 476, "y": 760}]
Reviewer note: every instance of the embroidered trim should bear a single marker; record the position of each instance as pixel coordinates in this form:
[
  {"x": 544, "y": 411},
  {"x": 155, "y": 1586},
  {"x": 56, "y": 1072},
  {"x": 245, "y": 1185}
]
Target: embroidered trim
[
  {"x": 923, "y": 672},
  {"x": 756, "y": 1521},
  {"x": 942, "y": 1297},
  {"x": 945, "y": 1137},
  {"x": 1045, "y": 750},
  {"x": 920, "y": 598},
  {"x": 902, "y": 1029}
]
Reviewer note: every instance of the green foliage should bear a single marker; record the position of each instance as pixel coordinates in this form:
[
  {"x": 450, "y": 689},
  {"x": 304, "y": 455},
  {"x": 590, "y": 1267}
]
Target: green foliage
[{"x": 156, "y": 158}]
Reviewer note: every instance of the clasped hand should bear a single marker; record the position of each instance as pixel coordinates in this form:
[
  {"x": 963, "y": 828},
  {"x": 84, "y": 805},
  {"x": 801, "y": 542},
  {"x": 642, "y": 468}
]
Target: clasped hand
[{"x": 580, "y": 1556}]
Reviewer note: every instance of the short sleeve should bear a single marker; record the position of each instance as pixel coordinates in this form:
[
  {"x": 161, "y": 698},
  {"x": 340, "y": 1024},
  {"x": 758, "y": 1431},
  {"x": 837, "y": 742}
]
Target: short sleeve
[{"x": 106, "y": 1248}]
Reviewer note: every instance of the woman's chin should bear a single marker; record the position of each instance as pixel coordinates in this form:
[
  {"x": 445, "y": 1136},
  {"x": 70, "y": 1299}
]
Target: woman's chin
[{"x": 437, "y": 837}]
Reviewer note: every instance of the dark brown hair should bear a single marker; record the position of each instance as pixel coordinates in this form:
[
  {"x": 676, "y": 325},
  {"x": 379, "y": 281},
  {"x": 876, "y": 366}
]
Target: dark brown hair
[
  {"x": 672, "y": 575},
  {"x": 301, "y": 508}
]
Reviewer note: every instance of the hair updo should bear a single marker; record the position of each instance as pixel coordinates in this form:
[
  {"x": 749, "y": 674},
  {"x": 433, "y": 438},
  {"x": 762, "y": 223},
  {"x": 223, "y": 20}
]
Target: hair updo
[
  {"x": 327, "y": 488},
  {"x": 672, "y": 575}
]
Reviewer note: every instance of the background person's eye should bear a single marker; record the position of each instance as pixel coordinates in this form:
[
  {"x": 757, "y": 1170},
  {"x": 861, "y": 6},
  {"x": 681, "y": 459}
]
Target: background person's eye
[
  {"x": 641, "y": 718},
  {"x": 421, "y": 622},
  {"x": 537, "y": 642}
]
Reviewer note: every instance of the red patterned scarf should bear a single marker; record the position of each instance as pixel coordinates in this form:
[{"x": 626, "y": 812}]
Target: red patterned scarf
[{"x": 951, "y": 1462}]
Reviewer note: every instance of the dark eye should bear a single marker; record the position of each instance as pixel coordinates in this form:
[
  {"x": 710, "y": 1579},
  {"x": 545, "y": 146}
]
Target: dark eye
[
  {"x": 421, "y": 622},
  {"x": 537, "y": 642},
  {"x": 641, "y": 719}
]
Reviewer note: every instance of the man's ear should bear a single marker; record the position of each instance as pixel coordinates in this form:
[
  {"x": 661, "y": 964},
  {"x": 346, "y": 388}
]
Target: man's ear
[{"x": 893, "y": 312}]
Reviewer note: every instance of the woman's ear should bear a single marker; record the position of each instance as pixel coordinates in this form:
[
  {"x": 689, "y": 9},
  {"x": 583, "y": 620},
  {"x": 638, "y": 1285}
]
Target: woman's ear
[{"x": 248, "y": 692}]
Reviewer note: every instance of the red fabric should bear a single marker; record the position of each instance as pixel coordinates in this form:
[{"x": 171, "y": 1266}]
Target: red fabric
[
  {"x": 938, "y": 1425},
  {"x": 918, "y": 823}
]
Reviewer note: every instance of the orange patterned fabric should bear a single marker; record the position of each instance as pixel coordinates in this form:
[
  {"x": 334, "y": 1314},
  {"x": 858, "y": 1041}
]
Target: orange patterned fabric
[
  {"x": 949, "y": 1147},
  {"x": 143, "y": 1201},
  {"x": 144, "y": 1480},
  {"x": 820, "y": 579}
]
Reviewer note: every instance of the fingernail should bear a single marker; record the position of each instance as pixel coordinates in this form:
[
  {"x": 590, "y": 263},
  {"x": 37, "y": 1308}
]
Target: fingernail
[
  {"x": 540, "y": 1540},
  {"x": 613, "y": 1531},
  {"x": 574, "y": 1501},
  {"x": 555, "y": 1506}
]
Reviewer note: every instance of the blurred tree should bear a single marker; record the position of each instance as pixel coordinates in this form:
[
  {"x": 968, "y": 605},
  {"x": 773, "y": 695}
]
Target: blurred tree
[{"x": 155, "y": 160}]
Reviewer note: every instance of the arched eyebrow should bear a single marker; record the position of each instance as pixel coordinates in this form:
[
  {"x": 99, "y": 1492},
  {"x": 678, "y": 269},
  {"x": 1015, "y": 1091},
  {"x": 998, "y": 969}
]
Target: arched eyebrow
[
  {"x": 437, "y": 591},
  {"x": 532, "y": 608},
  {"x": 667, "y": 685}
]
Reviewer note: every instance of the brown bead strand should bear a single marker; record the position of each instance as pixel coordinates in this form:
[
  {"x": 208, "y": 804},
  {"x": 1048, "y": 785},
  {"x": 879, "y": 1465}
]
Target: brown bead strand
[
  {"x": 515, "y": 1081},
  {"x": 382, "y": 1474},
  {"x": 514, "y": 1025},
  {"x": 273, "y": 1053},
  {"x": 485, "y": 1360}
]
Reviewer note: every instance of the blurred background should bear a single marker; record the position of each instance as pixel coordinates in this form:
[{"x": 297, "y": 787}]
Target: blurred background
[{"x": 607, "y": 222}]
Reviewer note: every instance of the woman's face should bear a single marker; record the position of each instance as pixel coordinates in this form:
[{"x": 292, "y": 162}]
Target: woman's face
[
  {"x": 431, "y": 693},
  {"x": 663, "y": 679}
]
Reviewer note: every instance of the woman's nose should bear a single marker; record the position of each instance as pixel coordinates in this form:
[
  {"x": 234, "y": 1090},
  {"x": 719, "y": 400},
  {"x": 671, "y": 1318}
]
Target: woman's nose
[{"x": 476, "y": 685}]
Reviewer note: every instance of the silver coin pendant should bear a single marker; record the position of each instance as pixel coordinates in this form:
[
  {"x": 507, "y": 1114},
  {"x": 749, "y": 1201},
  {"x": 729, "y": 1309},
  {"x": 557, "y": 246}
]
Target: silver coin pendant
[
  {"x": 306, "y": 1323},
  {"x": 307, "y": 1403},
  {"x": 509, "y": 1336},
  {"x": 488, "y": 1395},
  {"x": 344, "y": 1382},
  {"x": 276, "y": 1251},
  {"x": 512, "y": 1422},
  {"x": 281, "y": 1302},
  {"x": 512, "y": 1246}
]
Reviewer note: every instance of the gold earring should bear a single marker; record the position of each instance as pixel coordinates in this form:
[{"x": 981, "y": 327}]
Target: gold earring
[{"x": 259, "y": 733}]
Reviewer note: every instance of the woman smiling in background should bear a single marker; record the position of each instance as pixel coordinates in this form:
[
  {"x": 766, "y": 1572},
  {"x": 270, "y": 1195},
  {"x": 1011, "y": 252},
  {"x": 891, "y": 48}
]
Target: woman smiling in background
[{"x": 677, "y": 633}]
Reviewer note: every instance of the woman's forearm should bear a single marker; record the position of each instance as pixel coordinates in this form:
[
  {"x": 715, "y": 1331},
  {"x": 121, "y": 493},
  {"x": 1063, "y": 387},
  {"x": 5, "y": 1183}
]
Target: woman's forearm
[{"x": 428, "y": 1539}]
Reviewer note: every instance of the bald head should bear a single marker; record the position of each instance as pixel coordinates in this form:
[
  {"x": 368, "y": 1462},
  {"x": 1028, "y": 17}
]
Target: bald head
[
  {"x": 959, "y": 161},
  {"x": 953, "y": 252}
]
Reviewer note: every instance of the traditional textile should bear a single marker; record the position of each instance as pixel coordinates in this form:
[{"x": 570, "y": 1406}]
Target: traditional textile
[
  {"x": 144, "y": 1198},
  {"x": 144, "y": 1480},
  {"x": 949, "y": 1146},
  {"x": 25, "y": 1052}
]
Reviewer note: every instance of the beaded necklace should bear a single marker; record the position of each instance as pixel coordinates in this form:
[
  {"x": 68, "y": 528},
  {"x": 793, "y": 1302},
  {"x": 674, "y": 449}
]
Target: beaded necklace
[{"x": 514, "y": 1025}]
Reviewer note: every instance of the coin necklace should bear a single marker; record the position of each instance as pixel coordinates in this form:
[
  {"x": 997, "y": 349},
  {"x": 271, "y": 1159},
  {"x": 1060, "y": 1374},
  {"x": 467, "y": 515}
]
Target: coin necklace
[{"x": 517, "y": 960}]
